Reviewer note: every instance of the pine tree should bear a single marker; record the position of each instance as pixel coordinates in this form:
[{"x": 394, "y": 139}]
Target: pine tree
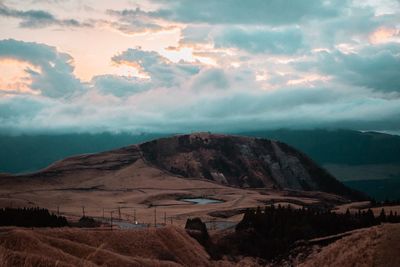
[{"x": 382, "y": 216}]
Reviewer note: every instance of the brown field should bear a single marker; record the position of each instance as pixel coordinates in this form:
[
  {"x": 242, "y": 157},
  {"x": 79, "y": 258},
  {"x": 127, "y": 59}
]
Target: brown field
[{"x": 140, "y": 187}]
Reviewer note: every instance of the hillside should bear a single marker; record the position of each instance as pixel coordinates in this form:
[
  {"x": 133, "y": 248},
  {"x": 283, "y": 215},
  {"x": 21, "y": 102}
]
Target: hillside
[
  {"x": 169, "y": 246},
  {"x": 227, "y": 160},
  {"x": 23, "y": 153},
  {"x": 376, "y": 246},
  {"x": 242, "y": 172},
  {"x": 172, "y": 246},
  {"x": 240, "y": 161},
  {"x": 370, "y": 158},
  {"x": 366, "y": 161}
]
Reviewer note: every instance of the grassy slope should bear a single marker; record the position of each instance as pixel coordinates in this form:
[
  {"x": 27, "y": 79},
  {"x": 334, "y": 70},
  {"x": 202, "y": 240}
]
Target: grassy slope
[
  {"x": 376, "y": 246},
  {"x": 169, "y": 246}
]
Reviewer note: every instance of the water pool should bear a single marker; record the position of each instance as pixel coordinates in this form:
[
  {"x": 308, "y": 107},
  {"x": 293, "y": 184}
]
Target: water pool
[{"x": 201, "y": 201}]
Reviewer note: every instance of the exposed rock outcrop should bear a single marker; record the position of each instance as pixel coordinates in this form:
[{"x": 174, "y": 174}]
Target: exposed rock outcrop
[{"x": 241, "y": 161}]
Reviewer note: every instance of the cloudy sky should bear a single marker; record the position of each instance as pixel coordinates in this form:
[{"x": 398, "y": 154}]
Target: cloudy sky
[{"x": 187, "y": 65}]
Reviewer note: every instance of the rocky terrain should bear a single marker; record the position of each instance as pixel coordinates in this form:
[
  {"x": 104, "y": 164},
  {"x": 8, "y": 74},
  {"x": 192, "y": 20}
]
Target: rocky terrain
[{"x": 241, "y": 161}]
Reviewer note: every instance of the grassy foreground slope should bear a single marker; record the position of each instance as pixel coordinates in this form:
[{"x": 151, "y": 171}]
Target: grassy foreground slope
[
  {"x": 376, "y": 246},
  {"x": 169, "y": 246}
]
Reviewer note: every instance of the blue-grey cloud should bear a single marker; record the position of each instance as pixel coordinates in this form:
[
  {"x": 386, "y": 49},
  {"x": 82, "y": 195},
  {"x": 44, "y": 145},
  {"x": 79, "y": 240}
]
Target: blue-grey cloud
[
  {"x": 376, "y": 67},
  {"x": 295, "y": 64},
  {"x": 133, "y": 21},
  {"x": 214, "y": 79},
  {"x": 272, "y": 41},
  {"x": 39, "y": 18},
  {"x": 119, "y": 86},
  {"x": 55, "y": 78},
  {"x": 165, "y": 111},
  {"x": 162, "y": 71},
  {"x": 196, "y": 34},
  {"x": 19, "y": 107},
  {"x": 271, "y": 12},
  {"x": 352, "y": 26}
]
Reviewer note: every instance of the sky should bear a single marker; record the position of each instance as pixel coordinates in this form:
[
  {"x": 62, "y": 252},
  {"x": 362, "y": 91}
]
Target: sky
[{"x": 74, "y": 66}]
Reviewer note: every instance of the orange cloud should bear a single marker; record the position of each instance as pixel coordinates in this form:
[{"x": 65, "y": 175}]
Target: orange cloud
[
  {"x": 15, "y": 78},
  {"x": 383, "y": 34}
]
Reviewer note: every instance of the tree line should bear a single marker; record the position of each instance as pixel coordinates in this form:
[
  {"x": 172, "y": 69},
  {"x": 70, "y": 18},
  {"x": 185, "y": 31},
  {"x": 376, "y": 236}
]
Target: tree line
[
  {"x": 273, "y": 231},
  {"x": 30, "y": 217}
]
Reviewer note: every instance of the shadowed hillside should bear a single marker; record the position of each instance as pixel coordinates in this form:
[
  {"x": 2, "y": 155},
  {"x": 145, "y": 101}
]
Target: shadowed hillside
[
  {"x": 339, "y": 146},
  {"x": 241, "y": 161}
]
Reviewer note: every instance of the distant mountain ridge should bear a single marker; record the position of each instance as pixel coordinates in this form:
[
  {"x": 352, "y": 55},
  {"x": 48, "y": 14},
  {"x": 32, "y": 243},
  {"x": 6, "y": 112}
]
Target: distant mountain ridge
[
  {"x": 30, "y": 153},
  {"x": 339, "y": 146}
]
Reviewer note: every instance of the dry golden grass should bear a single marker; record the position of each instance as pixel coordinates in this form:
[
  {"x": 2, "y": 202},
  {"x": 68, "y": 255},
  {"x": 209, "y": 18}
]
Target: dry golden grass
[
  {"x": 135, "y": 186},
  {"x": 378, "y": 246},
  {"x": 169, "y": 246}
]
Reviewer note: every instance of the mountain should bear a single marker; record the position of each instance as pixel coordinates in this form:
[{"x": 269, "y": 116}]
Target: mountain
[
  {"x": 240, "y": 161},
  {"x": 28, "y": 153},
  {"x": 366, "y": 161},
  {"x": 224, "y": 159}
]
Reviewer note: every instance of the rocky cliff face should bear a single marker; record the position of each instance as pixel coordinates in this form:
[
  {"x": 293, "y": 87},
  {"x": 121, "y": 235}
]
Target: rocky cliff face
[{"x": 240, "y": 161}]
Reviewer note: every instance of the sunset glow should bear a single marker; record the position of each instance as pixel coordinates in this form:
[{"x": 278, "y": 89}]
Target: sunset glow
[{"x": 214, "y": 65}]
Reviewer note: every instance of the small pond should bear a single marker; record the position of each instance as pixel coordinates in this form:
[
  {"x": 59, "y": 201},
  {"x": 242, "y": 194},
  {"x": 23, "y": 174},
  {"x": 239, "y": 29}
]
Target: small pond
[
  {"x": 125, "y": 224},
  {"x": 201, "y": 201}
]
